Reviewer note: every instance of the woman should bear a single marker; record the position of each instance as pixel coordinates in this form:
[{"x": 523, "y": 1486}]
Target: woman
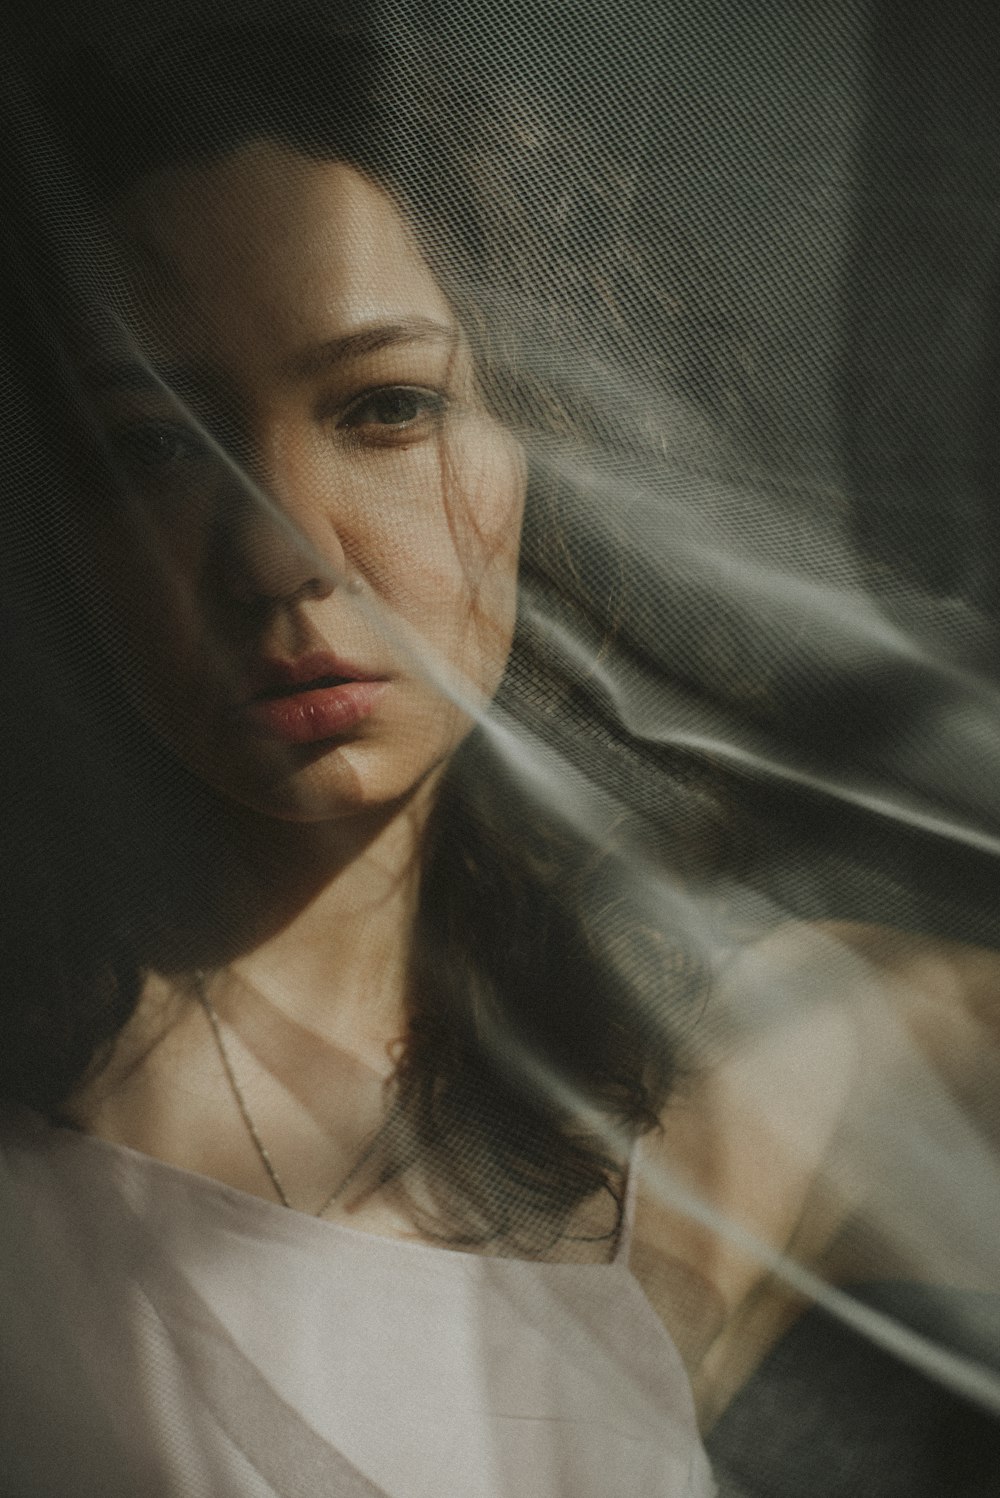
[
  {"x": 283, "y": 1065},
  {"x": 332, "y": 1047}
]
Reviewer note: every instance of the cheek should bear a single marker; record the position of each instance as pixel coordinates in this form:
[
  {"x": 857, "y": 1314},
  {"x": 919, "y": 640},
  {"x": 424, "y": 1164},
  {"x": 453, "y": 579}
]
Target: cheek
[
  {"x": 483, "y": 521},
  {"x": 486, "y": 521},
  {"x": 435, "y": 533},
  {"x": 147, "y": 574},
  {"x": 451, "y": 550}
]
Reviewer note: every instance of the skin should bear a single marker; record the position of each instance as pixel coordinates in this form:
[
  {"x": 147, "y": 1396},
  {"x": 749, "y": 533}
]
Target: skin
[
  {"x": 309, "y": 467},
  {"x": 275, "y": 296},
  {"x": 858, "y": 1088},
  {"x": 289, "y": 309}
]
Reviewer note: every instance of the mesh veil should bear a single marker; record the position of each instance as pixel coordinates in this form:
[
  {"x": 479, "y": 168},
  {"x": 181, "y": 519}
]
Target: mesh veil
[{"x": 728, "y": 278}]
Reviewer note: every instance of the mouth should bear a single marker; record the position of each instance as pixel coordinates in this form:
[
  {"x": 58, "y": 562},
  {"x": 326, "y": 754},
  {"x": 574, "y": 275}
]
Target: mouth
[
  {"x": 308, "y": 700},
  {"x": 321, "y": 683},
  {"x": 274, "y": 677}
]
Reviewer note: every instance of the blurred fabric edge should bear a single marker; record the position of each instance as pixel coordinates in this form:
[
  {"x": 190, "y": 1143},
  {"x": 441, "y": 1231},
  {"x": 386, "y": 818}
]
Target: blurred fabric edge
[{"x": 828, "y": 1415}]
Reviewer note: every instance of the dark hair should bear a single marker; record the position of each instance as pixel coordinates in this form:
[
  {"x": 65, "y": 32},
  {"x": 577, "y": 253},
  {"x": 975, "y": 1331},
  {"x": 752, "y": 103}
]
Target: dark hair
[{"x": 530, "y": 940}]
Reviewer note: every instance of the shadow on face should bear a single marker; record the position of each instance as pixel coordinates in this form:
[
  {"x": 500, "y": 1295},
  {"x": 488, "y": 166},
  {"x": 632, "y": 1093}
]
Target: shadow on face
[{"x": 317, "y": 502}]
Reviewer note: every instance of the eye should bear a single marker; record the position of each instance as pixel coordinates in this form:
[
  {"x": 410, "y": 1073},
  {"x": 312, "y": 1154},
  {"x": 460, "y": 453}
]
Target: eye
[
  {"x": 157, "y": 451},
  {"x": 394, "y": 414}
]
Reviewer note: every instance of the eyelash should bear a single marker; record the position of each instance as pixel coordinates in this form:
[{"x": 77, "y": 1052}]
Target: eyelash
[
  {"x": 155, "y": 451},
  {"x": 141, "y": 448},
  {"x": 432, "y": 407}
]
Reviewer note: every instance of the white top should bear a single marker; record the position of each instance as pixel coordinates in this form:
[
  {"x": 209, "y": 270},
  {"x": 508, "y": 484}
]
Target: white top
[{"x": 167, "y": 1334}]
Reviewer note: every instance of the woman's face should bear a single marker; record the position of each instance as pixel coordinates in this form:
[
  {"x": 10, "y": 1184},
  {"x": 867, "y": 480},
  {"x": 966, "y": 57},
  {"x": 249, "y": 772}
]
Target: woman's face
[{"x": 312, "y": 482}]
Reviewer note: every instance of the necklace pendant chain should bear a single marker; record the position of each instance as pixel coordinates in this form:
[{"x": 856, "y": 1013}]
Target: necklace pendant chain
[{"x": 212, "y": 1015}]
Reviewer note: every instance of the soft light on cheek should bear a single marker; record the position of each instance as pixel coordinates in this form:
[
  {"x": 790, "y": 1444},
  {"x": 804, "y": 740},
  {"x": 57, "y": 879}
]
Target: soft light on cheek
[
  {"x": 488, "y": 476},
  {"x": 494, "y": 504}
]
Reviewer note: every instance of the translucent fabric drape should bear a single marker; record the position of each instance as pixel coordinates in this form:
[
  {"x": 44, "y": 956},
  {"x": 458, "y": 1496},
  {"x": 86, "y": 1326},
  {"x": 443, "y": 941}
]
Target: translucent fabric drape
[{"x": 735, "y": 270}]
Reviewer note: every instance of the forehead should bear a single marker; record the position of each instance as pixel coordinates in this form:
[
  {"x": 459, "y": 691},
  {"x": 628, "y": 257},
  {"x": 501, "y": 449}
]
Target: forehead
[{"x": 265, "y": 251}]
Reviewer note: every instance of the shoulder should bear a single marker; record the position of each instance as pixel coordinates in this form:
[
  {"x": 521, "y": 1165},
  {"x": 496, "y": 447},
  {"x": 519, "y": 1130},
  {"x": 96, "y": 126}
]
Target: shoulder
[
  {"x": 742, "y": 1137},
  {"x": 803, "y": 1030},
  {"x": 938, "y": 1000}
]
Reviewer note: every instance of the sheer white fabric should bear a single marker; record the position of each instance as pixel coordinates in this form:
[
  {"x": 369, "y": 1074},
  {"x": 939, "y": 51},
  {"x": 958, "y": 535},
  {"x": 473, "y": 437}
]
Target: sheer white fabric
[
  {"x": 248, "y": 1350},
  {"x": 730, "y": 272}
]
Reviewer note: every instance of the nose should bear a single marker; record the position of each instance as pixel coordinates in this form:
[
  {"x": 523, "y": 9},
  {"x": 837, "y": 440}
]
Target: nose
[{"x": 278, "y": 546}]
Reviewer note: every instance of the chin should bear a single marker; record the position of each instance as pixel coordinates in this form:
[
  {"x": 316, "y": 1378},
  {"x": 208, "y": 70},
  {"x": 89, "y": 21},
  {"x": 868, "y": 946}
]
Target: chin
[{"x": 335, "y": 783}]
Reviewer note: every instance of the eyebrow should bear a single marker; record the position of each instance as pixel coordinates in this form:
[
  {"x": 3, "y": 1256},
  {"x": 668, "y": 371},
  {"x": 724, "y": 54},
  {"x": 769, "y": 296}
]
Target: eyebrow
[
  {"x": 132, "y": 375},
  {"x": 323, "y": 356}
]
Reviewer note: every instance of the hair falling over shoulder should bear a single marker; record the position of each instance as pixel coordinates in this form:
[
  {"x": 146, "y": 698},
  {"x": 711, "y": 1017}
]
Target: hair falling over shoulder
[{"x": 115, "y": 857}]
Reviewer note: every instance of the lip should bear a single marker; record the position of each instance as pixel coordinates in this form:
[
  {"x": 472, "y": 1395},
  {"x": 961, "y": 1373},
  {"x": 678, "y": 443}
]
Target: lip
[
  {"x": 275, "y": 677},
  {"x": 314, "y": 697}
]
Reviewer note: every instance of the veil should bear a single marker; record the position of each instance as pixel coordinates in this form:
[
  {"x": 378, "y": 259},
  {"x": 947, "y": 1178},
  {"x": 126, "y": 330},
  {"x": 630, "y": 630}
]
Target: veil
[{"x": 730, "y": 271}]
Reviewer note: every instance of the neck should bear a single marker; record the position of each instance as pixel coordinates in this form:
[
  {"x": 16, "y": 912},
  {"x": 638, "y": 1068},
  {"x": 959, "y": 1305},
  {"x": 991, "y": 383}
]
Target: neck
[
  {"x": 337, "y": 962},
  {"x": 326, "y": 915},
  {"x": 306, "y": 951}
]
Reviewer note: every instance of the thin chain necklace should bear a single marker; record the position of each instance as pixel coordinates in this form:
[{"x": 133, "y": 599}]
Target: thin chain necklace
[{"x": 212, "y": 1015}]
